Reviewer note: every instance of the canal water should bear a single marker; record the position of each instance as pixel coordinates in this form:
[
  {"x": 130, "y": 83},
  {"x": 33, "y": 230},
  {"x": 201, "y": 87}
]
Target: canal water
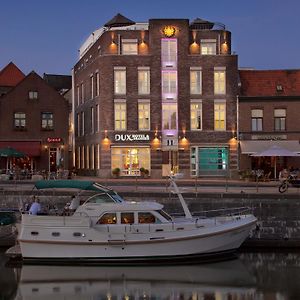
[{"x": 262, "y": 276}]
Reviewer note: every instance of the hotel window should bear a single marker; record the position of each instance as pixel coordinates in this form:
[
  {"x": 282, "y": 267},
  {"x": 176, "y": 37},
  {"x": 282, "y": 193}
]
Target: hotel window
[
  {"x": 120, "y": 81},
  {"x": 144, "y": 81},
  {"x": 92, "y": 120},
  {"x": 279, "y": 119},
  {"x": 120, "y": 115},
  {"x": 129, "y": 46},
  {"x": 144, "y": 114},
  {"x": 220, "y": 114},
  {"x": 78, "y": 124},
  {"x": 256, "y": 119},
  {"x": 97, "y": 157},
  {"x": 169, "y": 82},
  {"x": 220, "y": 81},
  {"x": 169, "y": 52},
  {"x": 92, "y": 157},
  {"x": 97, "y": 84},
  {"x": 82, "y": 123},
  {"x": 92, "y": 86},
  {"x": 195, "y": 81},
  {"x": 208, "y": 47},
  {"x": 82, "y": 92},
  {"x": 87, "y": 153},
  {"x": 196, "y": 115},
  {"x": 47, "y": 121},
  {"x": 169, "y": 112},
  {"x": 78, "y": 96},
  {"x": 33, "y": 95},
  {"x": 19, "y": 120},
  {"x": 97, "y": 118}
]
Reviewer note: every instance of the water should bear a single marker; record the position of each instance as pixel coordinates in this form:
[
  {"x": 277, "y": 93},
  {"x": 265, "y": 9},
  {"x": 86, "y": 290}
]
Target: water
[{"x": 262, "y": 276}]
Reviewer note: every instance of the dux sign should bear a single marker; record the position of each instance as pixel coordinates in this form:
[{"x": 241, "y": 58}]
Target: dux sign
[{"x": 131, "y": 137}]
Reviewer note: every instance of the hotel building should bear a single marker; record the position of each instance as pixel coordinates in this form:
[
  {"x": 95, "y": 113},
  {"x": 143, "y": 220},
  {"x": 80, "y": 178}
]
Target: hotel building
[{"x": 160, "y": 95}]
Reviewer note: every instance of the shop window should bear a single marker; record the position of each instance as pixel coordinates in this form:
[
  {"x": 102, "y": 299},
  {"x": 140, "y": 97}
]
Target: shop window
[
  {"x": 195, "y": 81},
  {"x": 144, "y": 81},
  {"x": 120, "y": 81},
  {"x": 208, "y": 47},
  {"x": 127, "y": 218},
  {"x": 219, "y": 82},
  {"x": 220, "y": 115},
  {"x": 108, "y": 218},
  {"x": 279, "y": 119},
  {"x": 196, "y": 115},
  {"x": 256, "y": 119},
  {"x": 19, "y": 120},
  {"x": 47, "y": 121},
  {"x": 129, "y": 46}
]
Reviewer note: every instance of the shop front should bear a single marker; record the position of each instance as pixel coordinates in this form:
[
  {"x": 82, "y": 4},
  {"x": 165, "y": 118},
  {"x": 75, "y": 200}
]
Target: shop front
[{"x": 55, "y": 150}]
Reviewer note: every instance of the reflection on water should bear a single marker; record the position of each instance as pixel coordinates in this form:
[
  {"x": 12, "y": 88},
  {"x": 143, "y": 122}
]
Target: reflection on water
[{"x": 253, "y": 276}]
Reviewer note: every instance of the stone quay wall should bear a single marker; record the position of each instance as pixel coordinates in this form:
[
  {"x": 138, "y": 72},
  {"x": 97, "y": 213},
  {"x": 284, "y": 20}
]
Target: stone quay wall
[{"x": 278, "y": 214}]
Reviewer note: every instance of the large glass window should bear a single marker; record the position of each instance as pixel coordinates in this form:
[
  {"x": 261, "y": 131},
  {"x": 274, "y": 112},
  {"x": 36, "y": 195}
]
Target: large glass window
[
  {"x": 120, "y": 81},
  {"x": 220, "y": 82},
  {"x": 169, "y": 82},
  {"x": 196, "y": 115},
  {"x": 220, "y": 115},
  {"x": 144, "y": 115},
  {"x": 120, "y": 116},
  {"x": 208, "y": 47},
  {"x": 195, "y": 81},
  {"x": 279, "y": 119},
  {"x": 256, "y": 119},
  {"x": 169, "y": 112},
  {"x": 20, "y": 120},
  {"x": 130, "y": 159},
  {"x": 129, "y": 47},
  {"x": 144, "y": 81},
  {"x": 169, "y": 52},
  {"x": 47, "y": 121}
]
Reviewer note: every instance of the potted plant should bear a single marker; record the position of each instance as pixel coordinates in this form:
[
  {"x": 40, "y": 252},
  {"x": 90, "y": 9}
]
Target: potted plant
[
  {"x": 116, "y": 172},
  {"x": 144, "y": 172}
]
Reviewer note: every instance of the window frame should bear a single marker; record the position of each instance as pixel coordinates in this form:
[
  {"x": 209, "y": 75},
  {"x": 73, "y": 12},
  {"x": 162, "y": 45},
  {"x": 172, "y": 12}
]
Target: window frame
[
  {"x": 143, "y": 81},
  {"x": 19, "y": 120},
  {"x": 197, "y": 110},
  {"x": 256, "y": 119},
  {"x": 196, "y": 87},
  {"x": 142, "y": 104},
  {"x": 119, "y": 80},
  {"x": 120, "y": 124},
  {"x": 219, "y": 84},
  {"x": 219, "y": 112},
  {"x": 47, "y": 127},
  {"x": 281, "y": 119}
]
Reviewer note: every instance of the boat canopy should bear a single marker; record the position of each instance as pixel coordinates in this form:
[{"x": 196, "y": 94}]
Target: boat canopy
[{"x": 71, "y": 184}]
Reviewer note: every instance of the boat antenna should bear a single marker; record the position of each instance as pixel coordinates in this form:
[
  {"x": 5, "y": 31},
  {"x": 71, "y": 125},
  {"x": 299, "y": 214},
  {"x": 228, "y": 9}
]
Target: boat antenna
[{"x": 186, "y": 210}]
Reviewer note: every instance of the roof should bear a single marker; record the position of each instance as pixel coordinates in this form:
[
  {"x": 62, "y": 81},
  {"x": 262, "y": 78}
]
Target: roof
[
  {"x": 255, "y": 83},
  {"x": 59, "y": 82},
  {"x": 11, "y": 75},
  {"x": 119, "y": 20}
]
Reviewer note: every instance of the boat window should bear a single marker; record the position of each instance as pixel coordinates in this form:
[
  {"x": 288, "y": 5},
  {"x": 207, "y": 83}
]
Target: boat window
[
  {"x": 55, "y": 233},
  {"x": 127, "y": 218},
  {"x": 146, "y": 218},
  {"x": 117, "y": 198},
  {"x": 100, "y": 198},
  {"x": 77, "y": 234},
  {"x": 165, "y": 215},
  {"x": 108, "y": 218},
  {"x": 34, "y": 233}
]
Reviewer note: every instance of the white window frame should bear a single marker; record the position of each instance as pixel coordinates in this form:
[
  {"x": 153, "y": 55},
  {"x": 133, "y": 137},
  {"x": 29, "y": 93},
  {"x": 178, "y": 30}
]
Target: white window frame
[
  {"x": 169, "y": 52},
  {"x": 280, "y": 114},
  {"x": 119, "y": 80},
  {"x": 257, "y": 119},
  {"x": 219, "y": 113},
  {"x": 198, "y": 112},
  {"x": 144, "y": 114},
  {"x": 167, "y": 111},
  {"x": 169, "y": 86},
  {"x": 143, "y": 80},
  {"x": 219, "y": 82},
  {"x": 196, "y": 81},
  {"x": 120, "y": 111}
]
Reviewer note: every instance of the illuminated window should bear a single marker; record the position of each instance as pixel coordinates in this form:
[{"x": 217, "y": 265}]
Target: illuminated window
[
  {"x": 120, "y": 115},
  {"x": 220, "y": 81},
  {"x": 47, "y": 121},
  {"x": 144, "y": 81},
  {"x": 169, "y": 114},
  {"x": 127, "y": 218},
  {"x": 257, "y": 119},
  {"x": 19, "y": 120},
  {"x": 196, "y": 115},
  {"x": 169, "y": 52},
  {"x": 195, "y": 81},
  {"x": 129, "y": 47},
  {"x": 279, "y": 119},
  {"x": 120, "y": 81},
  {"x": 108, "y": 218},
  {"x": 169, "y": 82},
  {"x": 146, "y": 218},
  {"x": 220, "y": 113},
  {"x": 144, "y": 115},
  {"x": 208, "y": 47},
  {"x": 33, "y": 95}
]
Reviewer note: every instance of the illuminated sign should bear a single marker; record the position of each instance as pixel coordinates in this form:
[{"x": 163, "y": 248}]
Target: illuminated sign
[
  {"x": 131, "y": 137},
  {"x": 169, "y": 31},
  {"x": 54, "y": 139}
]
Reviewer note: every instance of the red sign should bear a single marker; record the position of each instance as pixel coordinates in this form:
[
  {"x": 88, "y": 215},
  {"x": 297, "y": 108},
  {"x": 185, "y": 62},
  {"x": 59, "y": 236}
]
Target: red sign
[{"x": 54, "y": 140}]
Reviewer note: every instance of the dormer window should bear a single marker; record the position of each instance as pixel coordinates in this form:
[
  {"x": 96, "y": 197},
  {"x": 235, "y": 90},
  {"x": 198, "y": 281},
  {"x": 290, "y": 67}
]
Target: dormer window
[
  {"x": 33, "y": 95},
  {"x": 129, "y": 46}
]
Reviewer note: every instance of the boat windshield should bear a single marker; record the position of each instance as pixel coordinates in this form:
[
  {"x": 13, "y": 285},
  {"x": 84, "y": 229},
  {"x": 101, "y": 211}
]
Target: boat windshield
[
  {"x": 100, "y": 198},
  {"x": 165, "y": 215},
  {"x": 117, "y": 198}
]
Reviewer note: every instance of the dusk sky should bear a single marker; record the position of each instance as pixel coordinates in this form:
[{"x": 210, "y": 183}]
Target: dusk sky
[{"x": 45, "y": 35}]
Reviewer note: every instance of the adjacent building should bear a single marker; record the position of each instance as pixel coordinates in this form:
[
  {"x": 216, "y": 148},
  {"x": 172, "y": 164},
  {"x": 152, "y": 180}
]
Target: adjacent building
[
  {"x": 159, "y": 95},
  {"x": 33, "y": 120},
  {"x": 269, "y": 106}
]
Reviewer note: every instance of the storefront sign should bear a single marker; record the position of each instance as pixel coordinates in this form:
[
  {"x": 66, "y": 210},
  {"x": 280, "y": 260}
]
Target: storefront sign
[
  {"x": 131, "y": 137},
  {"x": 269, "y": 137},
  {"x": 54, "y": 140}
]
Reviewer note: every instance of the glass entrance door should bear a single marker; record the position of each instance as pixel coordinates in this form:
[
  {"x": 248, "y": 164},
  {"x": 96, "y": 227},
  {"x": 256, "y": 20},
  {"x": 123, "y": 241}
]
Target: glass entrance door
[{"x": 131, "y": 162}]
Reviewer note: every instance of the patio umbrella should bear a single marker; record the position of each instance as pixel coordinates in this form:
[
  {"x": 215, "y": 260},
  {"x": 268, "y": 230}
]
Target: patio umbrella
[
  {"x": 276, "y": 151},
  {"x": 9, "y": 152}
]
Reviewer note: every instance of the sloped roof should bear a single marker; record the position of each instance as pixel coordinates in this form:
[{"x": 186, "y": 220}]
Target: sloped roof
[
  {"x": 11, "y": 75},
  {"x": 119, "y": 20},
  {"x": 59, "y": 82},
  {"x": 256, "y": 83}
]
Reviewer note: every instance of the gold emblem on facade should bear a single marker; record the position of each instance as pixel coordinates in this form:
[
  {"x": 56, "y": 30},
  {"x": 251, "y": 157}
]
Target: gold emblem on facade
[{"x": 169, "y": 31}]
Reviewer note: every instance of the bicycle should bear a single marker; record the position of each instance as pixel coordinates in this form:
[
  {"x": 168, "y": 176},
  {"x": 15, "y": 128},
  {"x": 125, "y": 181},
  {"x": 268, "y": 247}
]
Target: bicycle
[{"x": 285, "y": 183}]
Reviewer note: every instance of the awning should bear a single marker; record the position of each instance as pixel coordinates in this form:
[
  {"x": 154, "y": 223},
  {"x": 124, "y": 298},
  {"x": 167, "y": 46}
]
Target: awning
[
  {"x": 30, "y": 148},
  {"x": 250, "y": 147}
]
